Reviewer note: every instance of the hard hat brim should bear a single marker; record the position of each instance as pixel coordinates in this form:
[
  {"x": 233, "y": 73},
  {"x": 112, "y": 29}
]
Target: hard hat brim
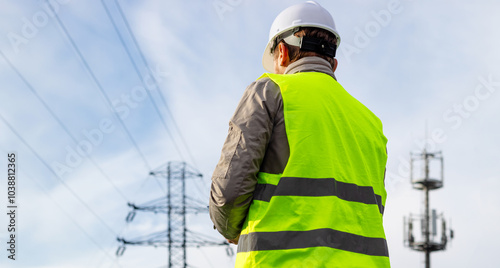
[{"x": 268, "y": 59}]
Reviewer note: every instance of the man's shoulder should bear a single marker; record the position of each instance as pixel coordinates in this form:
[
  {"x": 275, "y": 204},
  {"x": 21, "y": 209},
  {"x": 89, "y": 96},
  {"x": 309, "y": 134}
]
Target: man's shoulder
[{"x": 264, "y": 86}]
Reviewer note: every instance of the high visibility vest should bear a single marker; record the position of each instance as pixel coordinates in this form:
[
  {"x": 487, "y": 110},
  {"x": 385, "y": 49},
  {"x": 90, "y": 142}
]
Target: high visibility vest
[{"x": 326, "y": 209}]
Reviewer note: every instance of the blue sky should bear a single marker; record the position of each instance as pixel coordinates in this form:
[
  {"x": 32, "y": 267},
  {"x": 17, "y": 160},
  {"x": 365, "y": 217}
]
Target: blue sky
[{"x": 416, "y": 64}]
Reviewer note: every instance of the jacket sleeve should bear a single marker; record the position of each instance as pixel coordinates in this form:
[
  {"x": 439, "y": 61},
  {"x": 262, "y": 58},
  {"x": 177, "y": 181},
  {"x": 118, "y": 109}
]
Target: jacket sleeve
[{"x": 235, "y": 176}]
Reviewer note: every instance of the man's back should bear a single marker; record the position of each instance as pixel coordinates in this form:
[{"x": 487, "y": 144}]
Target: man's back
[{"x": 328, "y": 202}]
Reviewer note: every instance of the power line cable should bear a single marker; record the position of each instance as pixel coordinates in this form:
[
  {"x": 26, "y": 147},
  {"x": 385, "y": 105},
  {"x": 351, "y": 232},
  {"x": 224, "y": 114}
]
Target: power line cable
[
  {"x": 59, "y": 121},
  {"x": 203, "y": 192},
  {"x": 124, "y": 17},
  {"x": 163, "y": 121},
  {"x": 98, "y": 84},
  {"x": 56, "y": 175}
]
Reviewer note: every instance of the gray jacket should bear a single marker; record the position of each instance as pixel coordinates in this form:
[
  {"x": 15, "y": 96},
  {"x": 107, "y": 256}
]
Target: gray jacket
[{"x": 256, "y": 142}]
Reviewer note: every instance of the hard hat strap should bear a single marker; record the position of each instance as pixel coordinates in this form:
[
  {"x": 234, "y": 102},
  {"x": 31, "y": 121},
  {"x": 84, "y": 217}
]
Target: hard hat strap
[
  {"x": 306, "y": 43},
  {"x": 288, "y": 37},
  {"x": 318, "y": 45}
]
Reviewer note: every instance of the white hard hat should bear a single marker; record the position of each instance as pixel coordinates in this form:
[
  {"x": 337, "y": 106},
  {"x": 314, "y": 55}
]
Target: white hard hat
[{"x": 308, "y": 14}]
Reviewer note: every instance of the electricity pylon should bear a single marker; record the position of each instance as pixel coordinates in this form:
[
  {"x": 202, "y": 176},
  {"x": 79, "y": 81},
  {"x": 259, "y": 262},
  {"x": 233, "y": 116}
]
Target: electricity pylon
[{"x": 176, "y": 204}]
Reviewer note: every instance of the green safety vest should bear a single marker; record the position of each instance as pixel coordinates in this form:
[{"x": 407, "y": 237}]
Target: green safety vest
[{"x": 326, "y": 209}]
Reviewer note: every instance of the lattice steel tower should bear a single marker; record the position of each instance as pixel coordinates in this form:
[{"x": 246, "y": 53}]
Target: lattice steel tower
[
  {"x": 177, "y": 237},
  {"x": 421, "y": 179}
]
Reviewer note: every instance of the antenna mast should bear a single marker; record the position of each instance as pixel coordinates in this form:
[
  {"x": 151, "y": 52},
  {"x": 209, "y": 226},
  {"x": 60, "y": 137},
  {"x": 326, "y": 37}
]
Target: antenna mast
[{"x": 425, "y": 182}]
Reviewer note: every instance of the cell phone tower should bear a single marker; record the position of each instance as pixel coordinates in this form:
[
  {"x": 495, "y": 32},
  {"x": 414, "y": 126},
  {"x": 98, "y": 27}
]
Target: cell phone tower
[
  {"x": 421, "y": 179},
  {"x": 176, "y": 204}
]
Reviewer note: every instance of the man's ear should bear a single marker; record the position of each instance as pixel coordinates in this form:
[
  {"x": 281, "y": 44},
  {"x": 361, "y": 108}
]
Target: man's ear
[
  {"x": 283, "y": 58},
  {"x": 336, "y": 63}
]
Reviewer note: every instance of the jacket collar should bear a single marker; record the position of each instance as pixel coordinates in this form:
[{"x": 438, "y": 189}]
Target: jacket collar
[{"x": 310, "y": 64}]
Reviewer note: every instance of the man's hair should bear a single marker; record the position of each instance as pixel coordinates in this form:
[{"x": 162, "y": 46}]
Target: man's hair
[{"x": 294, "y": 52}]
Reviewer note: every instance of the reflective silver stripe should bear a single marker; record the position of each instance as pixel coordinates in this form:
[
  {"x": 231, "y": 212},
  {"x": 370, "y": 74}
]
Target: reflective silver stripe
[
  {"x": 314, "y": 238},
  {"x": 291, "y": 186}
]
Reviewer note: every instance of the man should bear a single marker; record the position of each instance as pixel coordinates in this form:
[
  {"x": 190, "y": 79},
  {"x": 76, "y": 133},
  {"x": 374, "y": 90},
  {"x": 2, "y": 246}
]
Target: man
[{"x": 300, "y": 182}]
